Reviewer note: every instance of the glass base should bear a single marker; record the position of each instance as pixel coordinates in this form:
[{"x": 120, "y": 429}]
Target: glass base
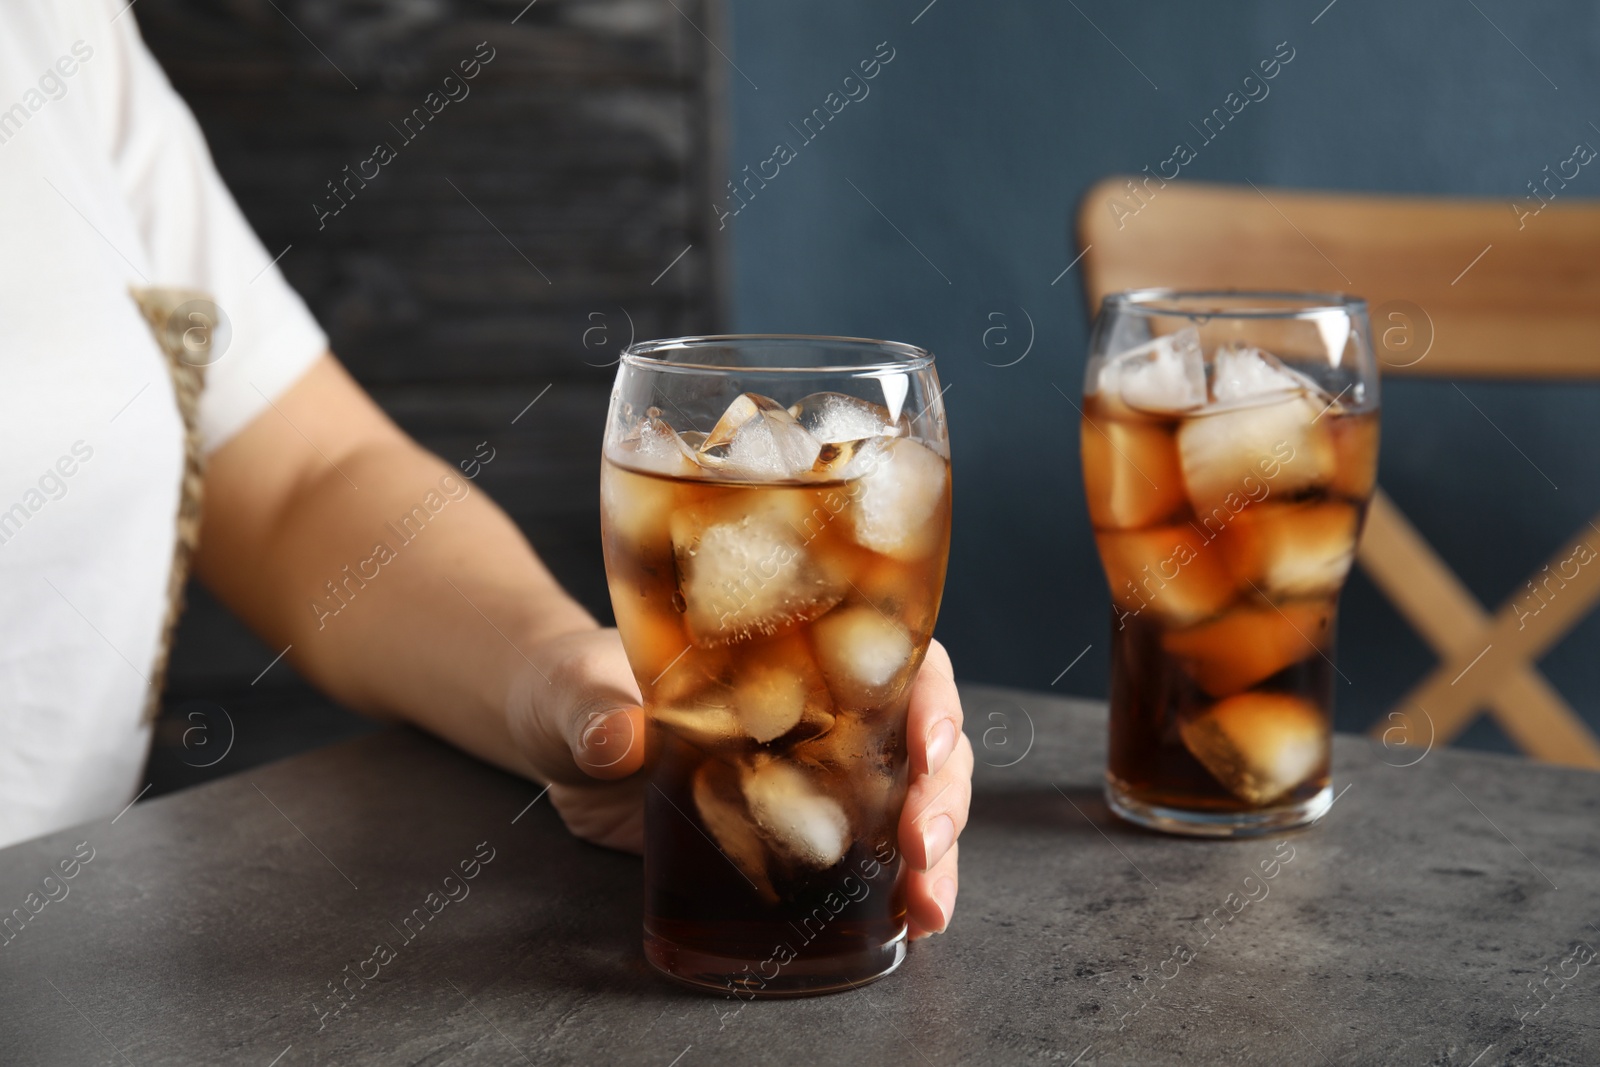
[
  {"x": 799, "y": 977},
  {"x": 1217, "y": 823}
]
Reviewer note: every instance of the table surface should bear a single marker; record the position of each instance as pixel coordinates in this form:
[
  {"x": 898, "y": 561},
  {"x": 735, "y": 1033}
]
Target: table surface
[{"x": 212, "y": 926}]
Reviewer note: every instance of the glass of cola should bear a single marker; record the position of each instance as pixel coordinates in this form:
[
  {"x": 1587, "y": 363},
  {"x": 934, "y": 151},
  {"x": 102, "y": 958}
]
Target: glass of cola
[
  {"x": 776, "y": 521},
  {"x": 1230, "y": 445}
]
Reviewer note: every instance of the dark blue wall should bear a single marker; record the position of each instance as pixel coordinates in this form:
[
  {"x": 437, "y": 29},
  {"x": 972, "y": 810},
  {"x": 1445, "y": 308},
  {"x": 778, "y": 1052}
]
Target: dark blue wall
[{"x": 977, "y": 141}]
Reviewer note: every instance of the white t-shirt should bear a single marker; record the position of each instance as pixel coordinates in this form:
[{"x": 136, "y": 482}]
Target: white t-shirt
[{"x": 105, "y": 183}]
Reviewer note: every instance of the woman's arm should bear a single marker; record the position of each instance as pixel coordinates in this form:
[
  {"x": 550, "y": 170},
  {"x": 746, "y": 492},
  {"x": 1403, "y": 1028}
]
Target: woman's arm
[{"x": 402, "y": 588}]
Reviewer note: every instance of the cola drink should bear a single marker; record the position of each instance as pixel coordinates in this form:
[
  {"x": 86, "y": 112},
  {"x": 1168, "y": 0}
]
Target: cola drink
[
  {"x": 1227, "y": 492},
  {"x": 775, "y": 582}
]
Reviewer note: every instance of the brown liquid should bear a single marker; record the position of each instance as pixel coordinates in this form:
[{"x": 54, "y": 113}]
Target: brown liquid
[
  {"x": 776, "y": 771},
  {"x": 1223, "y": 613}
]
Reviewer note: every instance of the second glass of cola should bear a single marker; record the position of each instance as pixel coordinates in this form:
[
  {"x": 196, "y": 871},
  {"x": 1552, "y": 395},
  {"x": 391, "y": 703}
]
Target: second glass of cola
[{"x": 1230, "y": 446}]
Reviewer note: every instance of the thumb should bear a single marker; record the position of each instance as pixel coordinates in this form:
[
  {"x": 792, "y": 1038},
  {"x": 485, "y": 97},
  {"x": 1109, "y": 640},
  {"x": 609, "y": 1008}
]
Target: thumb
[
  {"x": 608, "y": 739},
  {"x": 581, "y": 713}
]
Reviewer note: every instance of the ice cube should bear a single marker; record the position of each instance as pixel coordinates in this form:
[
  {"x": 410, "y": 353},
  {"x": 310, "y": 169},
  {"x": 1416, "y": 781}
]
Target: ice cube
[
  {"x": 1165, "y": 375},
  {"x": 1258, "y": 745},
  {"x": 636, "y": 507},
  {"x": 896, "y": 497},
  {"x": 841, "y": 462},
  {"x": 652, "y": 636},
  {"x": 744, "y": 567},
  {"x": 902, "y": 591},
  {"x": 1230, "y": 455},
  {"x": 1130, "y": 472},
  {"x": 1292, "y": 550},
  {"x": 777, "y": 686},
  {"x": 770, "y": 702},
  {"x": 705, "y": 726},
  {"x": 1250, "y": 643},
  {"x": 855, "y": 739},
  {"x": 802, "y": 822},
  {"x": 1355, "y": 447},
  {"x": 815, "y": 720},
  {"x": 758, "y": 439},
  {"x": 720, "y": 802},
  {"x": 699, "y": 676},
  {"x": 1241, "y": 372},
  {"x": 870, "y": 751},
  {"x": 838, "y": 418},
  {"x": 1170, "y": 571},
  {"x": 865, "y": 656},
  {"x": 658, "y": 448}
]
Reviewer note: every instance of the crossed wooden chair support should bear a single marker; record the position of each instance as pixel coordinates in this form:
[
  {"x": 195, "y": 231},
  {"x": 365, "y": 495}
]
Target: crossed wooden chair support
[
  {"x": 1484, "y": 661},
  {"x": 1500, "y": 294}
]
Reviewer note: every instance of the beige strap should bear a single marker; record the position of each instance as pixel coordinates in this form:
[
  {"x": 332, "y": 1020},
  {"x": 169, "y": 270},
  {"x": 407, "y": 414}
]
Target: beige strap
[{"x": 183, "y": 321}]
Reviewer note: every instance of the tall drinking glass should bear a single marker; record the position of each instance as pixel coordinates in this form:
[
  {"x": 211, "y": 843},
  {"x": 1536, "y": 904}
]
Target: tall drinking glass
[
  {"x": 776, "y": 521},
  {"x": 1230, "y": 444}
]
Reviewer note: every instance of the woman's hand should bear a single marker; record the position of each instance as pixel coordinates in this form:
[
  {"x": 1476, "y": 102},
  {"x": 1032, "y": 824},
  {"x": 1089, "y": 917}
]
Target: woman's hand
[
  {"x": 941, "y": 791},
  {"x": 576, "y": 720}
]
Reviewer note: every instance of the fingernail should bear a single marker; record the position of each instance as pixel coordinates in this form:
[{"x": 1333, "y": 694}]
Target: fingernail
[
  {"x": 944, "y": 895},
  {"x": 607, "y": 738},
  {"x": 941, "y": 742},
  {"x": 937, "y": 837}
]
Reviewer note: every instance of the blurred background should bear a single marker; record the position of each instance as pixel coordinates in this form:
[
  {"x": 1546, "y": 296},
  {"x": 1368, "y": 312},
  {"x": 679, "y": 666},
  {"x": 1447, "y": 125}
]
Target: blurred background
[{"x": 579, "y": 198}]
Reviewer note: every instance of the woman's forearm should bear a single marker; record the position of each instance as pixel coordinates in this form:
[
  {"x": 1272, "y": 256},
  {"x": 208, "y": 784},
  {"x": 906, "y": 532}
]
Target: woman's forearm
[{"x": 402, "y": 589}]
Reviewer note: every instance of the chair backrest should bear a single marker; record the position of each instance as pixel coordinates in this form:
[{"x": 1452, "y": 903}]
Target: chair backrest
[
  {"x": 1456, "y": 288},
  {"x": 1498, "y": 288}
]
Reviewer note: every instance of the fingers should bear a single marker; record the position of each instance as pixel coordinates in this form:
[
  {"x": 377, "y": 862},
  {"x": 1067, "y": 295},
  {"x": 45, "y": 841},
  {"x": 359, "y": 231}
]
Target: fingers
[
  {"x": 937, "y": 802},
  {"x": 936, "y": 809},
  {"x": 934, "y": 722},
  {"x": 931, "y": 896},
  {"x": 578, "y": 716},
  {"x": 607, "y": 814}
]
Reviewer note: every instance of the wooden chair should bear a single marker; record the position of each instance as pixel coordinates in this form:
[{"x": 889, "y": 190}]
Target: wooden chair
[{"x": 1489, "y": 290}]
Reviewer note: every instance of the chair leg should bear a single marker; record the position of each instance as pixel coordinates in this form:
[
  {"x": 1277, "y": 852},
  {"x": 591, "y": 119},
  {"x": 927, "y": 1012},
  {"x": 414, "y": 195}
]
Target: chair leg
[
  {"x": 1542, "y": 724},
  {"x": 1484, "y": 661}
]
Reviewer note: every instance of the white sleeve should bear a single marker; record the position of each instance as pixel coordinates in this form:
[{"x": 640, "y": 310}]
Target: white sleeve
[{"x": 196, "y": 237}]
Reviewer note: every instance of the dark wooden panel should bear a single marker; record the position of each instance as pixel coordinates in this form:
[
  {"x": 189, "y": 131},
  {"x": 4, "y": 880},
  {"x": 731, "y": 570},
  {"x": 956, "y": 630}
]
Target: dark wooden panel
[{"x": 514, "y": 243}]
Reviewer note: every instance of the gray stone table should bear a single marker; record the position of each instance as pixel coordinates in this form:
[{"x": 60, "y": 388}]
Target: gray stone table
[{"x": 211, "y": 925}]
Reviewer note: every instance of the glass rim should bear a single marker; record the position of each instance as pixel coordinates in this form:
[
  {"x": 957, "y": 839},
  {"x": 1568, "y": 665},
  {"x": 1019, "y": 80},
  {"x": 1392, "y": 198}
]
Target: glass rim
[
  {"x": 1308, "y": 303},
  {"x": 911, "y": 357}
]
